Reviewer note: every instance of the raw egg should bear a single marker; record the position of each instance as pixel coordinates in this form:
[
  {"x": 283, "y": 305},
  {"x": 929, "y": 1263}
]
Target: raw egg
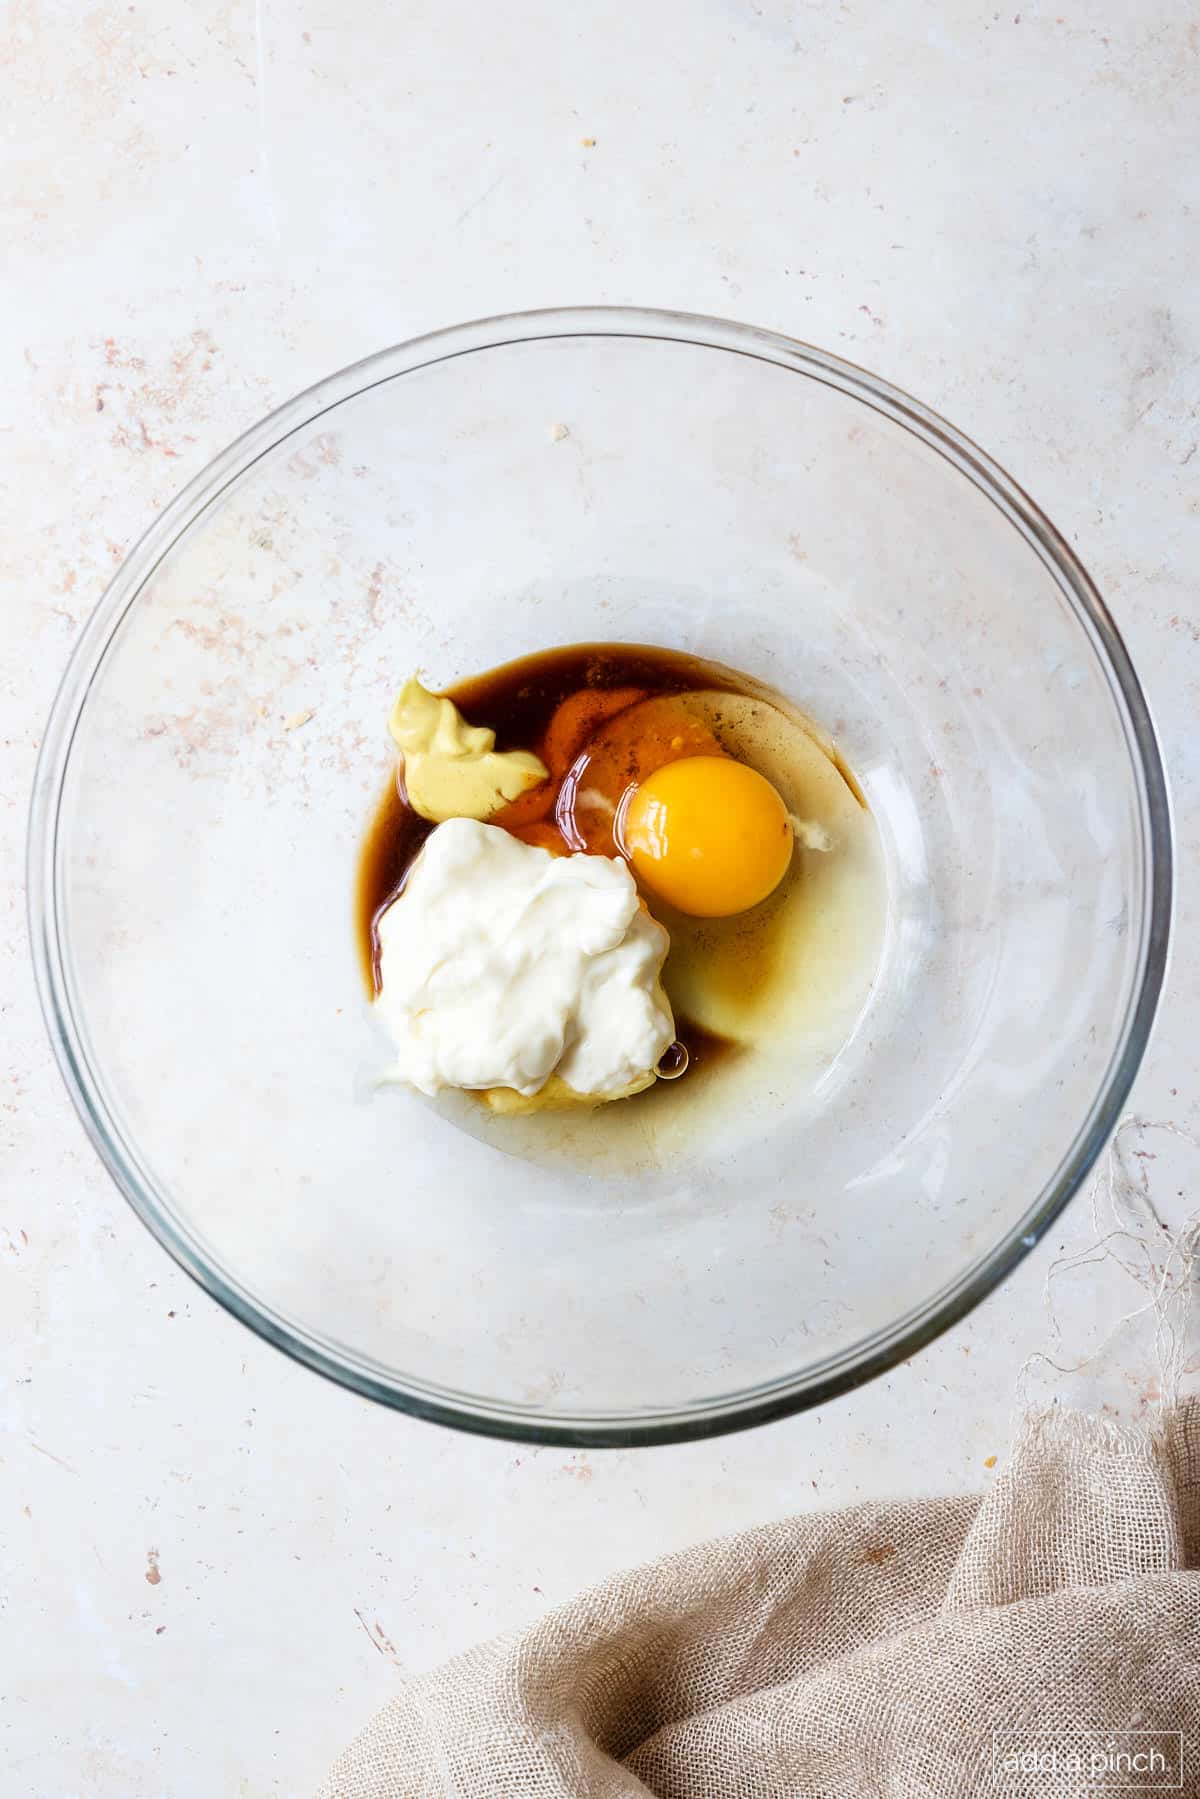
[
  {"x": 625, "y": 750},
  {"x": 709, "y": 835}
]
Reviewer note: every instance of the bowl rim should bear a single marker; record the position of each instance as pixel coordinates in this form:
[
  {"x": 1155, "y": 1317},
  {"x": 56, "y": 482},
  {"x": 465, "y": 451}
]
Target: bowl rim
[{"x": 717, "y": 1413}]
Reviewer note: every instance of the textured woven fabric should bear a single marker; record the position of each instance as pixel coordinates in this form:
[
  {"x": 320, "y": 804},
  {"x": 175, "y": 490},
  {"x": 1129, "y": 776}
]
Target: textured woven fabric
[{"x": 872, "y": 1651}]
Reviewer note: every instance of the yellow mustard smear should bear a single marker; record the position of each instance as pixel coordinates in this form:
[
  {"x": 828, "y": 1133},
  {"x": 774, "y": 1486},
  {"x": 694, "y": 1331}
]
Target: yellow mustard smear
[{"x": 453, "y": 769}]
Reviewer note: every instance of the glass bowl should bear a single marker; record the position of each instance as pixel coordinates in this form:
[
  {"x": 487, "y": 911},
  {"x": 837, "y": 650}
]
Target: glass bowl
[{"x": 218, "y": 747}]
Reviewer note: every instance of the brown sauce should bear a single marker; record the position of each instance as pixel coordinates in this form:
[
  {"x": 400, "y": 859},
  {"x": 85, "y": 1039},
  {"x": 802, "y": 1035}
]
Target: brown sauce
[
  {"x": 389, "y": 849},
  {"x": 517, "y": 701},
  {"x": 702, "y": 1047}
]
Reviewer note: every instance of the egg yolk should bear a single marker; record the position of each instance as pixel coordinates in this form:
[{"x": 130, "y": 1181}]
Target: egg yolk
[{"x": 709, "y": 835}]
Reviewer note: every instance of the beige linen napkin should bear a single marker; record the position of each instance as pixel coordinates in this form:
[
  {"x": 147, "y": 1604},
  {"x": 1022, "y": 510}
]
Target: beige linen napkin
[
  {"x": 884, "y": 1649},
  {"x": 1042, "y": 1641}
]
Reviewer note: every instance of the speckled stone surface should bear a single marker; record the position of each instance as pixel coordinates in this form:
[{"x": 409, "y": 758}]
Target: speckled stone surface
[{"x": 212, "y": 1566}]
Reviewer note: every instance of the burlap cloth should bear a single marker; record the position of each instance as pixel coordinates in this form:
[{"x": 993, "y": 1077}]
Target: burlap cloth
[
  {"x": 876, "y": 1650},
  {"x": 868, "y": 1651}
]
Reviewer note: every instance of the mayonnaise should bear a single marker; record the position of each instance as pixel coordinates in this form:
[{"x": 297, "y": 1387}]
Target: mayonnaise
[{"x": 502, "y": 965}]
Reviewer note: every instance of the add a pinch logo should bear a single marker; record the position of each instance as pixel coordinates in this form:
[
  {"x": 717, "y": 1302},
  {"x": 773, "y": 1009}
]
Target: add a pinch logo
[{"x": 1059, "y": 1758}]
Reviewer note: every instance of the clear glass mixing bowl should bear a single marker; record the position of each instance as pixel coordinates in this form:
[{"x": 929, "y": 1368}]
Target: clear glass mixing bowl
[{"x": 218, "y": 746}]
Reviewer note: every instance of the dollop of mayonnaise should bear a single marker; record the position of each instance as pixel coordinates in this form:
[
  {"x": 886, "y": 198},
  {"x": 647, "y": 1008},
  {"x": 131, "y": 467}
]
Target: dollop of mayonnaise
[
  {"x": 453, "y": 769},
  {"x": 502, "y": 964}
]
